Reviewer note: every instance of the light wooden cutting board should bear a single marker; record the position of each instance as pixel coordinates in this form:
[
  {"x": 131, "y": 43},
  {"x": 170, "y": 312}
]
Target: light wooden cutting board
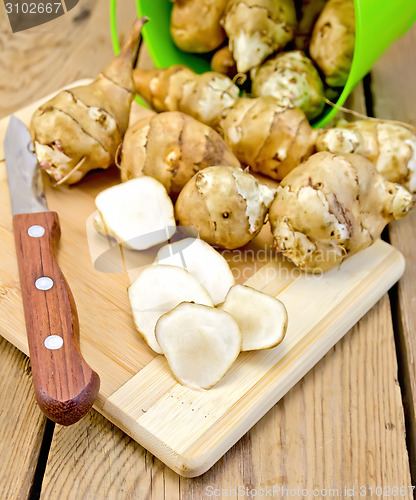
[{"x": 186, "y": 429}]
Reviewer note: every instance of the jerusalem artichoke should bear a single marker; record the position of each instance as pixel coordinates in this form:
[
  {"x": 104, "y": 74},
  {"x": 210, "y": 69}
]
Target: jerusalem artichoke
[
  {"x": 226, "y": 205},
  {"x": 262, "y": 318},
  {"x": 81, "y": 128},
  {"x": 138, "y": 213},
  {"x": 332, "y": 206},
  {"x": 223, "y": 62},
  {"x": 309, "y": 11},
  {"x": 257, "y": 28},
  {"x": 200, "y": 343},
  {"x": 172, "y": 147},
  {"x": 207, "y": 265},
  {"x": 157, "y": 290},
  {"x": 333, "y": 40},
  {"x": 390, "y": 146},
  {"x": 195, "y": 24},
  {"x": 268, "y": 137},
  {"x": 293, "y": 80}
]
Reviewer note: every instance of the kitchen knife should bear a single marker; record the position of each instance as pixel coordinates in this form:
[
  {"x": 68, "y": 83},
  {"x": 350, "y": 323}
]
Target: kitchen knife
[{"x": 65, "y": 386}]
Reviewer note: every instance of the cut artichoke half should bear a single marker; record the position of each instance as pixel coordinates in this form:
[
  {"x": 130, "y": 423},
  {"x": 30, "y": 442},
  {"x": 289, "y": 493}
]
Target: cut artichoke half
[
  {"x": 261, "y": 317},
  {"x": 207, "y": 265},
  {"x": 138, "y": 213},
  {"x": 200, "y": 343},
  {"x": 157, "y": 290}
]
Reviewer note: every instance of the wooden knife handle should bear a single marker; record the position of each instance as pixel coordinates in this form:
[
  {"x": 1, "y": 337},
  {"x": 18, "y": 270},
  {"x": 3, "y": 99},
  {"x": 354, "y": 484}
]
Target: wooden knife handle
[{"x": 65, "y": 386}]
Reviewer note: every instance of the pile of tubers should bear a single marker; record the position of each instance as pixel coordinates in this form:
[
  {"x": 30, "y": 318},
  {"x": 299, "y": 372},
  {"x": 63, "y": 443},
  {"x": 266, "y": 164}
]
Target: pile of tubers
[
  {"x": 191, "y": 163},
  {"x": 204, "y": 138},
  {"x": 247, "y": 36}
]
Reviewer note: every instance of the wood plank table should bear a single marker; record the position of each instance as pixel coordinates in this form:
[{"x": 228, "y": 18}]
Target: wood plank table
[{"x": 350, "y": 423}]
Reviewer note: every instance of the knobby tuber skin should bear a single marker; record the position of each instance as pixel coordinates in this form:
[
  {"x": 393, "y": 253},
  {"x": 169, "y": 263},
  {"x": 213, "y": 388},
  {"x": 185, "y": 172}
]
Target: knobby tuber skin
[
  {"x": 332, "y": 206},
  {"x": 293, "y": 80},
  {"x": 172, "y": 147},
  {"x": 226, "y": 205},
  {"x": 257, "y": 28},
  {"x": 333, "y": 40},
  {"x": 269, "y": 137},
  {"x": 223, "y": 62},
  {"x": 195, "y": 24},
  {"x": 261, "y": 133},
  {"x": 309, "y": 11},
  {"x": 390, "y": 146},
  {"x": 204, "y": 97},
  {"x": 81, "y": 128}
]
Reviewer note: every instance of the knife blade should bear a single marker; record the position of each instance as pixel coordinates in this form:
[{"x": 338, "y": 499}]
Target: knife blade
[{"x": 65, "y": 385}]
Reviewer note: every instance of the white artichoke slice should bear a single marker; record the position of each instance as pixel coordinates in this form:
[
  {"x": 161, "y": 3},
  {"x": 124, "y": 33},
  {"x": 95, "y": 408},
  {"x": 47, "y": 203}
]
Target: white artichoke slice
[
  {"x": 261, "y": 317},
  {"x": 138, "y": 213},
  {"x": 157, "y": 290},
  {"x": 200, "y": 343},
  {"x": 207, "y": 265}
]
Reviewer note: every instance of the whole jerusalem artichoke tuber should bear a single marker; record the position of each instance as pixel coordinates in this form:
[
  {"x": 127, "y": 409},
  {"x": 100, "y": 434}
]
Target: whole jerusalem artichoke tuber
[
  {"x": 291, "y": 78},
  {"x": 390, "y": 146},
  {"x": 195, "y": 24},
  {"x": 332, "y": 206},
  {"x": 257, "y": 28},
  {"x": 81, "y": 128},
  {"x": 172, "y": 147},
  {"x": 333, "y": 40},
  {"x": 270, "y": 138}
]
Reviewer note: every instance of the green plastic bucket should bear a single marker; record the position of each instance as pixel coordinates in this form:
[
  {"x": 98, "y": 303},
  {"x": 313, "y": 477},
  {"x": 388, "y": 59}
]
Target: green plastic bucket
[{"x": 378, "y": 24}]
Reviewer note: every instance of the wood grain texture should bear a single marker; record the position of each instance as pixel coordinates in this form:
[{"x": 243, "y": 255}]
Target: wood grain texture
[
  {"x": 22, "y": 424},
  {"x": 333, "y": 303},
  {"x": 40, "y": 60},
  {"x": 394, "y": 83},
  {"x": 207, "y": 423},
  {"x": 108, "y": 316},
  {"x": 65, "y": 386},
  {"x": 322, "y": 434},
  {"x": 96, "y": 460}
]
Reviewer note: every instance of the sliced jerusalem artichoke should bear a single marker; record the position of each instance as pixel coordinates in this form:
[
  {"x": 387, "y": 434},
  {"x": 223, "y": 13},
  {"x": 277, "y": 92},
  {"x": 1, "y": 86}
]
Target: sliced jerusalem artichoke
[
  {"x": 262, "y": 318},
  {"x": 172, "y": 147},
  {"x": 293, "y": 80},
  {"x": 257, "y": 28},
  {"x": 390, "y": 146},
  {"x": 332, "y": 206},
  {"x": 207, "y": 265},
  {"x": 200, "y": 343},
  {"x": 81, "y": 128},
  {"x": 223, "y": 62},
  {"x": 157, "y": 290},
  {"x": 226, "y": 205},
  {"x": 205, "y": 97},
  {"x": 138, "y": 213}
]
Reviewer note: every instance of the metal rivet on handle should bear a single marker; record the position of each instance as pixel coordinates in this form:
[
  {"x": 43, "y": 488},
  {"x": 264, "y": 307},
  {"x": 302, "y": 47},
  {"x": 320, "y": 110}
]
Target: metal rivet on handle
[
  {"x": 36, "y": 231},
  {"x": 44, "y": 283},
  {"x": 53, "y": 342}
]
